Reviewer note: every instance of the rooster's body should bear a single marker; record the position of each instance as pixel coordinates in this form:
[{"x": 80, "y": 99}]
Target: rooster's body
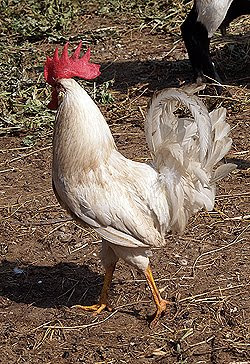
[{"x": 133, "y": 205}]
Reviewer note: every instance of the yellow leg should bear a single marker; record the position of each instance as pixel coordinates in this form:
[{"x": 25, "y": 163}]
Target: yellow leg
[
  {"x": 161, "y": 304},
  {"x": 103, "y": 301}
]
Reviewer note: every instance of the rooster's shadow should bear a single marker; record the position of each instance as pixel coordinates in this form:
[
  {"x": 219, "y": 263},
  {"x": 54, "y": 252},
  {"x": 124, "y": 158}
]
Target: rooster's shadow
[{"x": 64, "y": 284}]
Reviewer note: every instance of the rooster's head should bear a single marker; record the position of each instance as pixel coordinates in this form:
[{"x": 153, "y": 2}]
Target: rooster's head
[{"x": 67, "y": 67}]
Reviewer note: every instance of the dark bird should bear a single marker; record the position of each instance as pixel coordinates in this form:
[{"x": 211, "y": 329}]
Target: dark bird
[{"x": 205, "y": 17}]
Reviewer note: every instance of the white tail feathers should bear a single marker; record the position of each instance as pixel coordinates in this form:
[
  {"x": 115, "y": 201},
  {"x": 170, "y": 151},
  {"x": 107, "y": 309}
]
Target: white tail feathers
[
  {"x": 185, "y": 150},
  {"x": 222, "y": 171},
  {"x": 161, "y": 121},
  {"x": 221, "y": 142}
]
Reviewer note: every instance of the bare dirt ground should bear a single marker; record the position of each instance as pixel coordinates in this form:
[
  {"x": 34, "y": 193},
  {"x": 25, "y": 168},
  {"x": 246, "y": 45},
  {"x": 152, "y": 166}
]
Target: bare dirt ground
[{"x": 49, "y": 263}]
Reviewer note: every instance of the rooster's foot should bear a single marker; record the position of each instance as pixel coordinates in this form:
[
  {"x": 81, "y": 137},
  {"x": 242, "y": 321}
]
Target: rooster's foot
[{"x": 96, "y": 309}]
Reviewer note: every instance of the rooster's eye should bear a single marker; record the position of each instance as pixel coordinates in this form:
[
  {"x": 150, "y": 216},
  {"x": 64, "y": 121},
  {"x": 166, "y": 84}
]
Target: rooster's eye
[{"x": 59, "y": 88}]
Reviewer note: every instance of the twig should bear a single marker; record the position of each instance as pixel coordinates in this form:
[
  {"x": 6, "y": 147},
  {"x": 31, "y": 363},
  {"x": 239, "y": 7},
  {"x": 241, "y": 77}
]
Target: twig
[
  {"x": 14, "y": 149},
  {"x": 136, "y": 98},
  {"x": 10, "y": 128},
  {"x": 28, "y": 154},
  {"x": 200, "y": 343},
  {"x": 57, "y": 227},
  {"x": 8, "y": 170},
  {"x": 40, "y": 326},
  {"x": 241, "y": 153},
  {"x": 52, "y": 221},
  {"x": 172, "y": 49},
  {"x": 80, "y": 326},
  {"x": 244, "y": 217},
  {"x": 236, "y": 240},
  {"x": 142, "y": 113},
  {"x": 77, "y": 249},
  {"x": 232, "y": 196},
  {"x": 221, "y": 97},
  {"x": 213, "y": 291}
]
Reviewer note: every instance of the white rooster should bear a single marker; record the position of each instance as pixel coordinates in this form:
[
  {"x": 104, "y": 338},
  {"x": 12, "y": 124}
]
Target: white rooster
[{"x": 132, "y": 205}]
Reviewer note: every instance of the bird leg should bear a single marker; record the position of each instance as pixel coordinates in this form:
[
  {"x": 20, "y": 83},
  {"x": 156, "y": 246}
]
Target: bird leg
[
  {"x": 103, "y": 301},
  {"x": 161, "y": 304}
]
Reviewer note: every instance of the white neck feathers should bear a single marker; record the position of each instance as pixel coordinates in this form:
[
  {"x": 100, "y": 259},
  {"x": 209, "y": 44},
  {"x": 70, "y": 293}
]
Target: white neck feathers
[{"x": 82, "y": 139}]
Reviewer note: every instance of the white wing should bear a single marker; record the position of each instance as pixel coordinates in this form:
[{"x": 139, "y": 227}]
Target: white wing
[{"x": 117, "y": 201}]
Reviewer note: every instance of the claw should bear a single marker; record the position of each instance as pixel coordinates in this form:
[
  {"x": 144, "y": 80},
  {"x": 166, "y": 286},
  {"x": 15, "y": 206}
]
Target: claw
[{"x": 160, "y": 312}]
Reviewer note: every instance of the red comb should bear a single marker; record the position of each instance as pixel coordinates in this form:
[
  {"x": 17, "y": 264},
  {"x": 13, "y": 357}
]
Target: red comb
[{"x": 68, "y": 67}]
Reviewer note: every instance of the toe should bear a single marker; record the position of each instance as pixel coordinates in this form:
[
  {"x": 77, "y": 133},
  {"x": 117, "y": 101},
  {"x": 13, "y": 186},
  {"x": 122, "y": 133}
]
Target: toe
[
  {"x": 96, "y": 309},
  {"x": 92, "y": 308}
]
